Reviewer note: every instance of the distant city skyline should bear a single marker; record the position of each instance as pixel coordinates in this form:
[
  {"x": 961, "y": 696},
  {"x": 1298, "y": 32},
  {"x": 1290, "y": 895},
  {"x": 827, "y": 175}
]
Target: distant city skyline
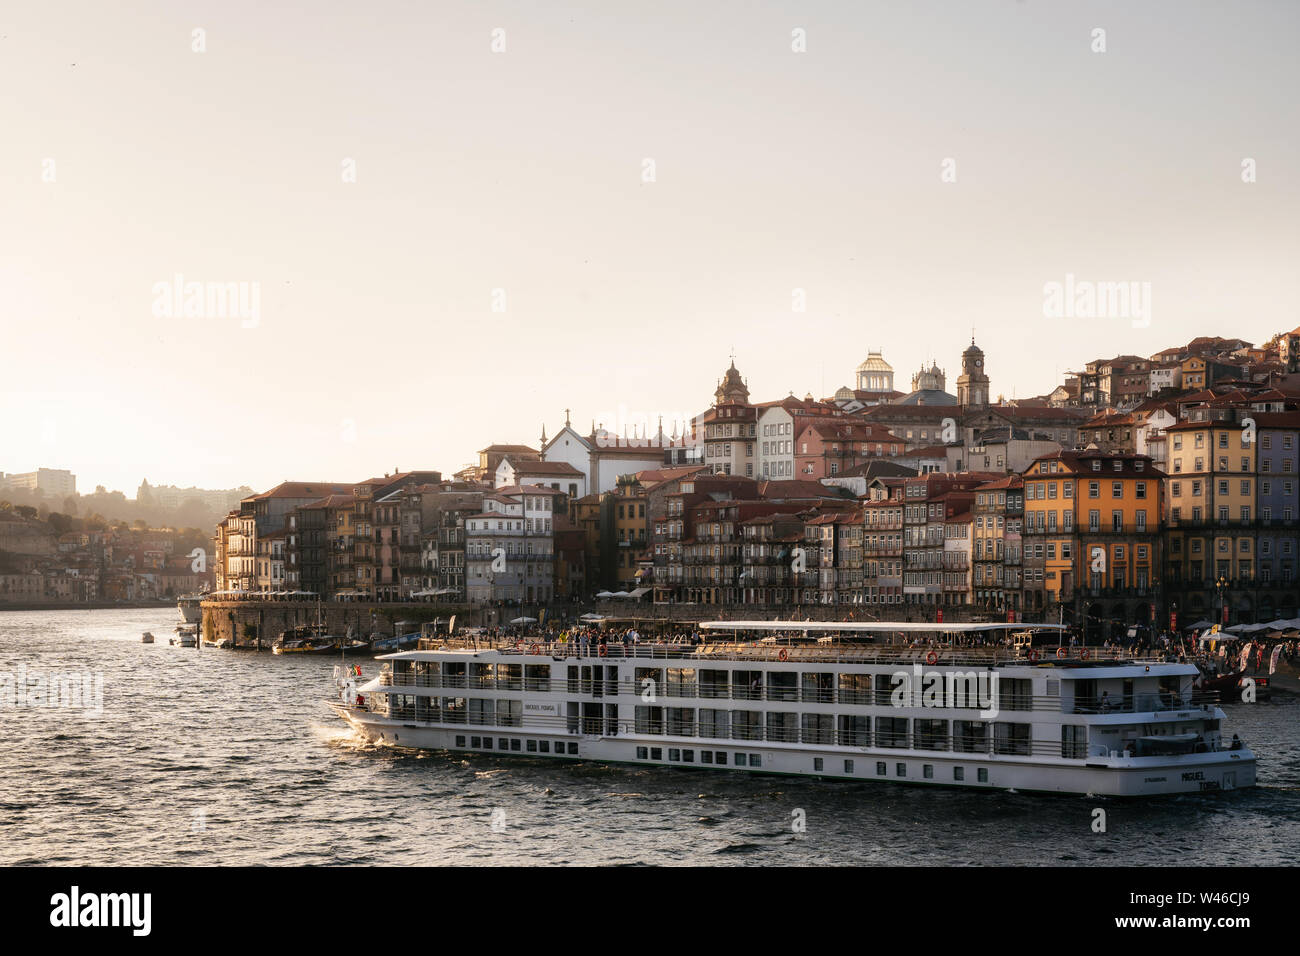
[{"x": 639, "y": 192}]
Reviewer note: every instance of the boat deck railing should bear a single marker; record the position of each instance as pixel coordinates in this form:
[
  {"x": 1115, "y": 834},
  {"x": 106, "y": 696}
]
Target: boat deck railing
[{"x": 831, "y": 653}]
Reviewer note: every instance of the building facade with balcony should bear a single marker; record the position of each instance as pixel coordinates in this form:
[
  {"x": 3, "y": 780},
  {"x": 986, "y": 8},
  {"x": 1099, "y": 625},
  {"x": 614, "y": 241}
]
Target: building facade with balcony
[{"x": 1098, "y": 517}]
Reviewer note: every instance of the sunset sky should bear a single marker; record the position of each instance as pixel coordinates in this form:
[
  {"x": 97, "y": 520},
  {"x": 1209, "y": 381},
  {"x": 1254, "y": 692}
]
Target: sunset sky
[{"x": 128, "y": 158}]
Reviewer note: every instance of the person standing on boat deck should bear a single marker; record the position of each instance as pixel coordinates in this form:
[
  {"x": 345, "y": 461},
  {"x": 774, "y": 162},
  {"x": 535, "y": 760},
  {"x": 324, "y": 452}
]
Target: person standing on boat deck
[{"x": 1105, "y": 702}]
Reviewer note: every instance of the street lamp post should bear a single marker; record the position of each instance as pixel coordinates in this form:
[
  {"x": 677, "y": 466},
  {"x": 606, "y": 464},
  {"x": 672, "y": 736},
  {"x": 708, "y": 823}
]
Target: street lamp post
[{"x": 1221, "y": 586}]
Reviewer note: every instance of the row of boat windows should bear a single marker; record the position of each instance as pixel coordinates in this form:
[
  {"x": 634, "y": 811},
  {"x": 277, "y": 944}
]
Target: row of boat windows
[
  {"x": 515, "y": 745},
  {"x": 719, "y": 758},
  {"x": 852, "y": 730},
  {"x": 844, "y": 730},
  {"x": 825, "y": 687}
]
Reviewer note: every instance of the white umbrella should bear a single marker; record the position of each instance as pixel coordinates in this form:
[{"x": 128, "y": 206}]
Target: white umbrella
[
  {"x": 605, "y": 594},
  {"x": 524, "y": 620}
]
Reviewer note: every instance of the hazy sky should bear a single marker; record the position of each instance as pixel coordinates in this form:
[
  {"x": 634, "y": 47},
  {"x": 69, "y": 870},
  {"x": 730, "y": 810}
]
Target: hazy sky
[{"x": 376, "y": 344}]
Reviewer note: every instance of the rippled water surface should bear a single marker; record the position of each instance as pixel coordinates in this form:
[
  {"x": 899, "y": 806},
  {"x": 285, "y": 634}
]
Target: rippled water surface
[{"x": 219, "y": 757}]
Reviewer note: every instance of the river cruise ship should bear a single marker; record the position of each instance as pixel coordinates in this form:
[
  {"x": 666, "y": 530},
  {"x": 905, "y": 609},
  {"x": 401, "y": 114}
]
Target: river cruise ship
[{"x": 775, "y": 698}]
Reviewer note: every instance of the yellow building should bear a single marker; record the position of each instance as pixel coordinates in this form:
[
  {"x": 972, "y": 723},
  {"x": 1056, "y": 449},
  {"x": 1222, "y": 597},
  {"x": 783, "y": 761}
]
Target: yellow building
[
  {"x": 1210, "y": 516},
  {"x": 628, "y": 512},
  {"x": 1096, "y": 517}
]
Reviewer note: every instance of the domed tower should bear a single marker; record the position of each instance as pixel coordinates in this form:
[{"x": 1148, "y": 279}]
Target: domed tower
[
  {"x": 973, "y": 385},
  {"x": 875, "y": 374},
  {"x": 932, "y": 379},
  {"x": 732, "y": 390}
]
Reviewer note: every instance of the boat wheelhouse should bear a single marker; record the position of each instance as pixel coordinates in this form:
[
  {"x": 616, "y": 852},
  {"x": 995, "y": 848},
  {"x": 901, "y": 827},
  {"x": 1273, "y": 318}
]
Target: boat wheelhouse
[{"x": 1005, "y": 716}]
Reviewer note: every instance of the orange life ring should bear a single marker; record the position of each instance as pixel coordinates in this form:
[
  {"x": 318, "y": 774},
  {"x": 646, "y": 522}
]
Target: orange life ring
[
  {"x": 1062, "y": 653},
  {"x": 603, "y": 650},
  {"x": 535, "y": 649},
  {"x": 1033, "y": 654},
  {"x": 1083, "y": 654},
  {"x": 932, "y": 658},
  {"x": 783, "y": 654}
]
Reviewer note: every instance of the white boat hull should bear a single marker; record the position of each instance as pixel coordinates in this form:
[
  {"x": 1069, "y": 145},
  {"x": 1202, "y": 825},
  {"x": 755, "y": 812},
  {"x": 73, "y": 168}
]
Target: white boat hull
[{"x": 1094, "y": 776}]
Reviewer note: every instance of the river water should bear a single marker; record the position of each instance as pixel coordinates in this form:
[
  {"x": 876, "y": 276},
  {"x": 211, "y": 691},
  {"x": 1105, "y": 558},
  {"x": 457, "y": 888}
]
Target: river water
[{"x": 218, "y": 757}]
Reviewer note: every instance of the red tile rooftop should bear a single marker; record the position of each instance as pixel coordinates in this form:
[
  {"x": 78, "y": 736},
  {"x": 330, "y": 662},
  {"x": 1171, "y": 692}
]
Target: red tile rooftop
[
  {"x": 302, "y": 489},
  {"x": 527, "y": 468}
]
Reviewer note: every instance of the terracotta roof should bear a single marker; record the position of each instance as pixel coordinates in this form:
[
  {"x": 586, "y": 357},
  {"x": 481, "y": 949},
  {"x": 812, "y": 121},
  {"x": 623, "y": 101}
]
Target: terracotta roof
[
  {"x": 303, "y": 489},
  {"x": 1277, "y": 419},
  {"x": 795, "y": 488},
  {"x": 850, "y": 431},
  {"x": 652, "y": 477},
  {"x": 1010, "y": 481},
  {"x": 1109, "y": 417},
  {"x": 508, "y": 448},
  {"x": 1077, "y": 460},
  {"x": 527, "y": 468},
  {"x": 331, "y": 501}
]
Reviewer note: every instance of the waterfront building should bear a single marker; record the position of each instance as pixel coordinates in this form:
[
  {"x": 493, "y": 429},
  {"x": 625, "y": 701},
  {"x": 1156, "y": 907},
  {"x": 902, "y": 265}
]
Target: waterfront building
[
  {"x": 957, "y": 546},
  {"x": 929, "y": 503},
  {"x": 1210, "y": 521},
  {"x": 509, "y": 547},
  {"x": 778, "y": 424},
  {"x": 1096, "y": 516},
  {"x": 768, "y": 574},
  {"x": 235, "y": 541},
  {"x": 631, "y": 534},
  {"x": 1275, "y": 592},
  {"x": 882, "y": 544},
  {"x": 833, "y": 539},
  {"x": 270, "y": 561},
  {"x": 445, "y": 509},
  {"x": 824, "y": 448}
]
